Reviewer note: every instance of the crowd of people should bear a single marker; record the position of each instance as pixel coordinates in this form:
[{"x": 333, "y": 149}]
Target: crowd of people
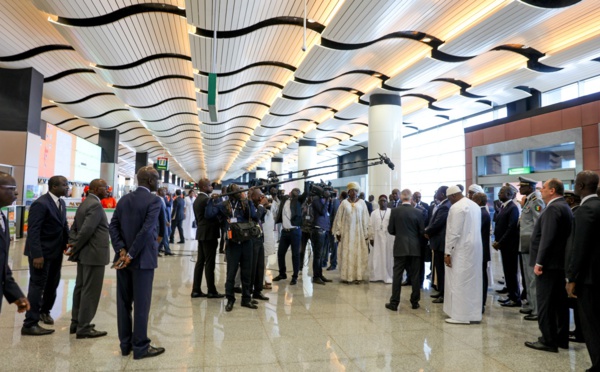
[{"x": 546, "y": 241}]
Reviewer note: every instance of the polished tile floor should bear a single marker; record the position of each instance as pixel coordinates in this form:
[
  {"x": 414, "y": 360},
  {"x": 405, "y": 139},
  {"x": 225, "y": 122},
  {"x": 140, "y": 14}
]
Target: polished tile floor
[{"x": 336, "y": 327}]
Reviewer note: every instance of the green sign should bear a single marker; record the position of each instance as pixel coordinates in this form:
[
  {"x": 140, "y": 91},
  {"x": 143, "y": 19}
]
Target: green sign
[
  {"x": 212, "y": 96},
  {"x": 521, "y": 170},
  {"x": 162, "y": 164}
]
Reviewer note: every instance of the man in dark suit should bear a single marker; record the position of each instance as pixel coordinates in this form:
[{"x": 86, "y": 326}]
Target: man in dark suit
[
  {"x": 583, "y": 260},
  {"x": 8, "y": 287},
  {"x": 178, "y": 215},
  {"x": 207, "y": 234},
  {"x": 134, "y": 231},
  {"x": 368, "y": 203},
  {"x": 547, "y": 252},
  {"x": 481, "y": 199},
  {"x": 166, "y": 216},
  {"x": 506, "y": 239},
  {"x": 89, "y": 247},
  {"x": 47, "y": 237},
  {"x": 436, "y": 233},
  {"x": 394, "y": 199},
  {"x": 406, "y": 224}
]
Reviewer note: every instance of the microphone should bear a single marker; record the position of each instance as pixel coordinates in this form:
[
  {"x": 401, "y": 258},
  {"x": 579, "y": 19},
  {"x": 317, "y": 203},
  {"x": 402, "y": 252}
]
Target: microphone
[{"x": 384, "y": 158}]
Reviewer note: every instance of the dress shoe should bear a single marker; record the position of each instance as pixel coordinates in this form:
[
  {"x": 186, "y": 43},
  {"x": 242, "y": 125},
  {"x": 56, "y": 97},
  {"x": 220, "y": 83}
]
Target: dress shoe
[
  {"x": 92, "y": 333},
  {"x": 503, "y": 300},
  {"x": 151, "y": 352},
  {"x": 405, "y": 283},
  {"x": 416, "y": 306},
  {"x": 391, "y": 307},
  {"x": 73, "y": 328},
  {"x": 279, "y": 277},
  {"x": 293, "y": 282},
  {"x": 439, "y": 300},
  {"x": 46, "y": 319},
  {"x": 573, "y": 338},
  {"x": 435, "y": 295},
  {"x": 538, "y": 345},
  {"x": 531, "y": 317},
  {"x": 198, "y": 294},
  {"x": 237, "y": 289},
  {"x": 169, "y": 254},
  {"x": 318, "y": 281},
  {"x": 229, "y": 305},
  {"x": 511, "y": 303},
  {"x": 181, "y": 242},
  {"x": 326, "y": 280},
  {"x": 502, "y": 291},
  {"x": 331, "y": 268},
  {"x": 36, "y": 330},
  {"x": 215, "y": 295},
  {"x": 564, "y": 346},
  {"x": 254, "y": 302},
  {"x": 160, "y": 254},
  {"x": 260, "y": 296},
  {"x": 454, "y": 321},
  {"x": 171, "y": 241},
  {"x": 249, "y": 305},
  {"x": 526, "y": 311},
  {"x": 125, "y": 352}
]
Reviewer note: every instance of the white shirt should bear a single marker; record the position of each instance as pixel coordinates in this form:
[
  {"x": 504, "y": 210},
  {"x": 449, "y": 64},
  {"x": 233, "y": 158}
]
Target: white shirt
[
  {"x": 56, "y": 200},
  {"x": 287, "y": 215},
  {"x": 550, "y": 202},
  {"x": 588, "y": 197},
  {"x": 2, "y": 222},
  {"x": 94, "y": 195}
]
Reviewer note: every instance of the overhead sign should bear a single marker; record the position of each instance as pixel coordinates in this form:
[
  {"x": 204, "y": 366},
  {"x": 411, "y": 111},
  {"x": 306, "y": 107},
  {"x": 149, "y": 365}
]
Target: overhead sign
[
  {"x": 162, "y": 164},
  {"x": 212, "y": 96},
  {"x": 521, "y": 170}
]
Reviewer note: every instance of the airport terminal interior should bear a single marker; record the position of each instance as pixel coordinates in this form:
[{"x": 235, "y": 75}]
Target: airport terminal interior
[{"x": 385, "y": 94}]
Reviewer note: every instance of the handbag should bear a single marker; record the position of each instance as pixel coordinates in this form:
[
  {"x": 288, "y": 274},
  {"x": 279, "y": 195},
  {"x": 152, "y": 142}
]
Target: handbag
[{"x": 244, "y": 231}]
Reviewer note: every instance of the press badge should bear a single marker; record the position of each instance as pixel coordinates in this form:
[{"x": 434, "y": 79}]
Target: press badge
[{"x": 233, "y": 220}]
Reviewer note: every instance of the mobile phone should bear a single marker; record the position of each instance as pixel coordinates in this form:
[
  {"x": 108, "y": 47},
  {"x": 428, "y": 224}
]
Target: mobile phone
[{"x": 117, "y": 265}]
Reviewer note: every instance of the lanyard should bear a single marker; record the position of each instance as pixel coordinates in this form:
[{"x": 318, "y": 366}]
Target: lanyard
[
  {"x": 233, "y": 208},
  {"x": 382, "y": 217}
]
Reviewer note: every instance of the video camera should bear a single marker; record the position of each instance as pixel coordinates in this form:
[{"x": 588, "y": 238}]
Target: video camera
[
  {"x": 319, "y": 189},
  {"x": 261, "y": 182}
]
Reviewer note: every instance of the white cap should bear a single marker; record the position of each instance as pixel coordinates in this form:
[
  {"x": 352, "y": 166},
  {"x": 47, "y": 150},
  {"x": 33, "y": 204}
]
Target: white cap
[
  {"x": 476, "y": 188},
  {"x": 453, "y": 190}
]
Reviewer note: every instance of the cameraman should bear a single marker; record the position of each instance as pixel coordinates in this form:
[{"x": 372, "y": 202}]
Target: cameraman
[
  {"x": 236, "y": 209},
  {"x": 290, "y": 216},
  {"x": 258, "y": 247},
  {"x": 321, "y": 225}
]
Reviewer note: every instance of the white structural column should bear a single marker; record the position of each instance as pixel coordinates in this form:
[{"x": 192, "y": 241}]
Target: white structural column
[
  {"x": 277, "y": 166},
  {"x": 307, "y": 158},
  {"x": 261, "y": 172},
  {"x": 385, "y": 136}
]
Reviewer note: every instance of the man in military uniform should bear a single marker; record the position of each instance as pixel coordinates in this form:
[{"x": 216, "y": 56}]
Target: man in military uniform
[{"x": 532, "y": 208}]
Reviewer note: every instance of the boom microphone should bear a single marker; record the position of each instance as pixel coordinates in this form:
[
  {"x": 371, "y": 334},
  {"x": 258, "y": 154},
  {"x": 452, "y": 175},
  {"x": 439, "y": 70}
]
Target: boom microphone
[{"x": 384, "y": 158}]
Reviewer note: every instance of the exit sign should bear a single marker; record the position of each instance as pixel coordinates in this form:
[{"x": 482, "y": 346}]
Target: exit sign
[
  {"x": 162, "y": 164},
  {"x": 521, "y": 170}
]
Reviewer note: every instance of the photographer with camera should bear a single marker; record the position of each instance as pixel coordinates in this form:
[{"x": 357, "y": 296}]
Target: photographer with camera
[
  {"x": 258, "y": 248},
  {"x": 320, "y": 227},
  {"x": 290, "y": 215},
  {"x": 238, "y": 212}
]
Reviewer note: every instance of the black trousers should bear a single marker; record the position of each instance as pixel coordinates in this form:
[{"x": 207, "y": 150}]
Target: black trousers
[
  {"x": 317, "y": 240},
  {"x": 589, "y": 312},
  {"x": 177, "y": 224},
  {"x": 239, "y": 255},
  {"x": 510, "y": 264},
  {"x": 553, "y": 309},
  {"x": 207, "y": 253},
  {"x": 440, "y": 270},
  {"x": 303, "y": 243},
  {"x": 258, "y": 266},
  {"x": 400, "y": 264},
  {"x": 134, "y": 286},
  {"x": 485, "y": 281},
  {"x": 86, "y": 295},
  {"x": 289, "y": 238},
  {"x": 42, "y": 289}
]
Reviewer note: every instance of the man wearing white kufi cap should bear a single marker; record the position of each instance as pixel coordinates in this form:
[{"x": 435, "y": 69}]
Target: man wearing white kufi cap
[
  {"x": 352, "y": 230},
  {"x": 474, "y": 189},
  {"x": 463, "y": 260}
]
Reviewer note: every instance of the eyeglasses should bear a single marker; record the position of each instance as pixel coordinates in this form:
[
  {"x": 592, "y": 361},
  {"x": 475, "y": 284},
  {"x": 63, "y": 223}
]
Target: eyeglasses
[{"x": 8, "y": 187}]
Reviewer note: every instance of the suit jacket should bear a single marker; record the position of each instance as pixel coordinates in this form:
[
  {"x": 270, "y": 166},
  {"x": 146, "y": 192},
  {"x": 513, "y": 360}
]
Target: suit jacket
[
  {"x": 550, "y": 235},
  {"x": 436, "y": 230},
  {"x": 583, "y": 256},
  {"x": 163, "y": 218},
  {"x": 506, "y": 231},
  {"x": 391, "y": 204},
  {"x": 9, "y": 288},
  {"x": 369, "y": 207},
  {"x": 178, "y": 209},
  {"x": 89, "y": 234},
  {"x": 486, "y": 221},
  {"x": 208, "y": 228},
  {"x": 47, "y": 231},
  {"x": 406, "y": 224},
  {"x": 134, "y": 226}
]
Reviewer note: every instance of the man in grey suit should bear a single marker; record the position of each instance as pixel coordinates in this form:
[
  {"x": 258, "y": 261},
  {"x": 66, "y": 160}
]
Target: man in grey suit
[
  {"x": 406, "y": 224},
  {"x": 89, "y": 247}
]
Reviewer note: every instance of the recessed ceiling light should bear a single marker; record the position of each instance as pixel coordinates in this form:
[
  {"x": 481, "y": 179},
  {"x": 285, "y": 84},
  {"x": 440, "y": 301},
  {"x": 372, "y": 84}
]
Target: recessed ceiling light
[
  {"x": 311, "y": 20},
  {"x": 377, "y": 75},
  {"x": 426, "y": 39}
]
